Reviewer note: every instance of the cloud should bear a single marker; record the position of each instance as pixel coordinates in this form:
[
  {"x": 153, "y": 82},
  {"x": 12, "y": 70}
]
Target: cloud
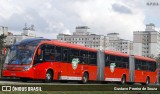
[
  {"x": 102, "y": 19},
  {"x": 42, "y": 14},
  {"x": 51, "y": 17},
  {"x": 121, "y": 9}
]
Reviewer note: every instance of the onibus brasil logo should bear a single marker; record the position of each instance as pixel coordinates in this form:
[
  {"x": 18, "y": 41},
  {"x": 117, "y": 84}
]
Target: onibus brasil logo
[
  {"x": 75, "y": 62},
  {"x": 112, "y": 66}
]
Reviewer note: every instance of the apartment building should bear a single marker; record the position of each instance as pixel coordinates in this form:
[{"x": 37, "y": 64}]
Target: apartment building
[
  {"x": 118, "y": 44},
  {"x": 82, "y": 36},
  {"x": 147, "y": 43},
  {"x": 28, "y": 32}
]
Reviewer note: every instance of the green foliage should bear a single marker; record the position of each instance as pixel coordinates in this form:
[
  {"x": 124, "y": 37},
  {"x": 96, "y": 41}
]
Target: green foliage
[
  {"x": 158, "y": 59},
  {"x": 2, "y": 37}
]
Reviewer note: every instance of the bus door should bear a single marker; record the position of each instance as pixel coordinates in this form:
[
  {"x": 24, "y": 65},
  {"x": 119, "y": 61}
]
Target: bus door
[
  {"x": 62, "y": 56},
  {"x": 38, "y": 64}
]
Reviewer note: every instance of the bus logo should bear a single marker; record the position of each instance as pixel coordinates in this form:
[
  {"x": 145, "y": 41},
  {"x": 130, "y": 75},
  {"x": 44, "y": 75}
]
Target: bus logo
[
  {"x": 112, "y": 66},
  {"x": 75, "y": 62}
]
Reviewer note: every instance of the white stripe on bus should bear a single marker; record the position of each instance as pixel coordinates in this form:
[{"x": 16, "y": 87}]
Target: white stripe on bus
[
  {"x": 113, "y": 79},
  {"x": 70, "y": 78}
]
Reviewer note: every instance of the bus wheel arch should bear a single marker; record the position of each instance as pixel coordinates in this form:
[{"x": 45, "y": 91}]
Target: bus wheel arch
[
  {"x": 24, "y": 79},
  {"x": 49, "y": 75},
  {"x": 85, "y": 77},
  {"x": 147, "y": 80},
  {"x": 123, "y": 79}
]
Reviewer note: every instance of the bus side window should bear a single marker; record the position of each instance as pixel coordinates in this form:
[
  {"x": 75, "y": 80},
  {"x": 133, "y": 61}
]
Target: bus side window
[
  {"x": 126, "y": 62},
  {"x": 84, "y": 57},
  {"x": 112, "y": 58},
  {"x": 65, "y": 53},
  {"x": 107, "y": 60},
  {"x": 93, "y": 58},
  {"x": 58, "y": 53},
  {"x": 49, "y": 53},
  {"x": 144, "y": 65},
  {"x": 152, "y": 66},
  {"x": 137, "y": 65},
  {"x": 74, "y": 53},
  {"x": 118, "y": 61},
  {"x": 39, "y": 56}
]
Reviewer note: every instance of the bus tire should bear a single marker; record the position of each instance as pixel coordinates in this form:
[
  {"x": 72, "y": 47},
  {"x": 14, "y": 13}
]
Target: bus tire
[
  {"x": 63, "y": 81},
  {"x": 147, "y": 81},
  {"x": 49, "y": 76},
  {"x": 123, "y": 80},
  {"x": 85, "y": 78},
  {"x": 130, "y": 83},
  {"x": 24, "y": 79}
]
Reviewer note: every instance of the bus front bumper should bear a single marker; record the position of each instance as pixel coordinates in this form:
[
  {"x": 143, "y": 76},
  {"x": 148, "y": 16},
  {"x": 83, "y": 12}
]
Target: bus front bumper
[{"x": 20, "y": 74}]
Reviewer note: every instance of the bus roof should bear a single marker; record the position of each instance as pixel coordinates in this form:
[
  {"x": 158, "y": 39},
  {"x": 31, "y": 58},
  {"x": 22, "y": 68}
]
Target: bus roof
[
  {"x": 69, "y": 45},
  {"x": 116, "y": 53},
  {"x": 30, "y": 40},
  {"x": 144, "y": 58}
]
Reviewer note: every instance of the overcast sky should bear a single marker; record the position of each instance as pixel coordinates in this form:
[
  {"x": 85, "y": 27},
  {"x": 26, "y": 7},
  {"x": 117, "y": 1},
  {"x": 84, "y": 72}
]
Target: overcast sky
[{"x": 51, "y": 17}]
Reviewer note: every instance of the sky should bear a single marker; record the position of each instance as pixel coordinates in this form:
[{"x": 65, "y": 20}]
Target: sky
[{"x": 51, "y": 17}]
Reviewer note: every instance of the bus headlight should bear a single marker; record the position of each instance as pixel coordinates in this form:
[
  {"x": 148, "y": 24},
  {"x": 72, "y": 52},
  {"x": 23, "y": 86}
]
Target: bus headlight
[
  {"x": 26, "y": 68},
  {"x": 4, "y": 68}
]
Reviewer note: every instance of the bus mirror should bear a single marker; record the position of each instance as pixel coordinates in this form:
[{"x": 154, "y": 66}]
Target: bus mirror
[{"x": 39, "y": 52}]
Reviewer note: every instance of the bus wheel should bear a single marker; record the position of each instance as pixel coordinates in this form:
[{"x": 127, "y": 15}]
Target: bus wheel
[
  {"x": 49, "y": 76},
  {"x": 85, "y": 78},
  {"x": 123, "y": 80},
  {"x": 24, "y": 79},
  {"x": 130, "y": 83},
  {"x": 147, "y": 81},
  {"x": 63, "y": 81}
]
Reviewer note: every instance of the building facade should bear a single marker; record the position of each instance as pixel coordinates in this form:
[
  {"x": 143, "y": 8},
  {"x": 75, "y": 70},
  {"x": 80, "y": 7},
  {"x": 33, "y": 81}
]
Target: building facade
[
  {"x": 27, "y": 33},
  {"x": 118, "y": 44},
  {"x": 82, "y": 36},
  {"x": 147, "y": 43},
  {"x": 3, "y": 30}
]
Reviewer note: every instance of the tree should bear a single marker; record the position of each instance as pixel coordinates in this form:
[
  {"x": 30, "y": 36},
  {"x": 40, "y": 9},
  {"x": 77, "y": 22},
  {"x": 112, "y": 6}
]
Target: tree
[{"x": 2, "y": 37}]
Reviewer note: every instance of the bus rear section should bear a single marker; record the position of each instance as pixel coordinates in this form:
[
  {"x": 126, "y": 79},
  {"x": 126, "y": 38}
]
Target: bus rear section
[
  {"x": 123, "y": 68},
  {"x": 145, "y": 70}
]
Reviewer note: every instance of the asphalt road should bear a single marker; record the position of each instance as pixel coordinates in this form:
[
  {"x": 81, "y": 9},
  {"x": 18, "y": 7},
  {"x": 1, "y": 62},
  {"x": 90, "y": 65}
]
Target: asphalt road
[{"x": 18, "y": 82}]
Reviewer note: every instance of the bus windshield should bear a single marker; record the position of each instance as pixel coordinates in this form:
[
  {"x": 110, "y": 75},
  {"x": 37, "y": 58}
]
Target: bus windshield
[{"x": 21, "y": 53}]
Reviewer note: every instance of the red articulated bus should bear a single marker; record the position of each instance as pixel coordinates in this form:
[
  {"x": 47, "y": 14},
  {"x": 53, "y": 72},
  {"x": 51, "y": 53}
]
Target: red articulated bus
[{"x": 54, "y": 60}]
